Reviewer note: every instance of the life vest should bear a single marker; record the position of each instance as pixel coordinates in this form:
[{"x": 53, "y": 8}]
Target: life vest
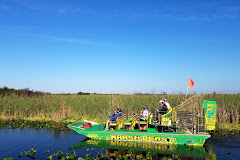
[{"x": 87, "y": 125}]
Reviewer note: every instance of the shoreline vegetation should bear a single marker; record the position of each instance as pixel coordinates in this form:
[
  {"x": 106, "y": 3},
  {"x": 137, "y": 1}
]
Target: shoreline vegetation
[
  {"x": 38, "y": 106},
  {"x": 109, "y": 154}
]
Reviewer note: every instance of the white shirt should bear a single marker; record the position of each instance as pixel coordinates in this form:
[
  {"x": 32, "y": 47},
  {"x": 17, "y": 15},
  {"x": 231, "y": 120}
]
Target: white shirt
[
  {"x": 167, "y": 104},
  {"x": 144, "y": 113}
]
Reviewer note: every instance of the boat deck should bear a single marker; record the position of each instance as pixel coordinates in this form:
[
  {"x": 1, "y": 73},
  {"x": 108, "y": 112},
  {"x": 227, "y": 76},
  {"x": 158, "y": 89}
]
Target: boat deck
[{"x": 100, "y": 127}]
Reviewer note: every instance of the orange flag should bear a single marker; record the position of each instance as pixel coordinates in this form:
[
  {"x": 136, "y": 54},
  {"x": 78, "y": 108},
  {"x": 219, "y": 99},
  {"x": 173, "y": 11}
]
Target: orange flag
[{"x": 190, "y": 83}]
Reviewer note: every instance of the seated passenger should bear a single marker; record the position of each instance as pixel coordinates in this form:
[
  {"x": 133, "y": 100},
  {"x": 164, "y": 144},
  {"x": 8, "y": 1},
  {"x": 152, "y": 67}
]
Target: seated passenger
[
  {"x": 144, "y": 113},
  {"x": 143, "y": 117},
  {"x": 161, "y": 111},
  {"x": 113, "y": 118}
]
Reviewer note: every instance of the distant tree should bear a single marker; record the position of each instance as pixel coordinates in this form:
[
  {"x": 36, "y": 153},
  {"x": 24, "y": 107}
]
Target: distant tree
[
  {"x": 82, "y": 93},
  {"x": 5, "y": 91}
]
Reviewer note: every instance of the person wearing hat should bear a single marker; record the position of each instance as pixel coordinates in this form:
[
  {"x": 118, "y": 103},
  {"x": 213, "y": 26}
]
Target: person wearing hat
[
  {"x": 144, "y": 113},
  {"x": 162, "y": 110},
  {"x": 143, "y": 117},
  {"x": 114, "y": 117}
]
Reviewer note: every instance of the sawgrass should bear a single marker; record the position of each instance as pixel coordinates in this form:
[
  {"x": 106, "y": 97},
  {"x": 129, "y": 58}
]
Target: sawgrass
[
  {"x": 98, "y": 107},
  {"x": 92, "y": 107},
  {"x": 228, "y": 107}
]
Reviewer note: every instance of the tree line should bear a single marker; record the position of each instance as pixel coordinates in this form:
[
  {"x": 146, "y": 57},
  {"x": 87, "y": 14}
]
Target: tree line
[{"x": 5, "y": 91}]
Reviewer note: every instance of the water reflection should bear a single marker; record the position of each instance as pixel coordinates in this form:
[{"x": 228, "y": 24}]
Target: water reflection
[{"x": 144, "y": 150}]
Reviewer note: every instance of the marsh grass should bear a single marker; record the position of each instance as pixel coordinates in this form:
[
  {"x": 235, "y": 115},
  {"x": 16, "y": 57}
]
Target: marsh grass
[
  {"x": 92, "y": 107},
  {"x": 98, "y": 107},
  {"x": 228, "y": 107},
  {"x": 34, "y": 123}
]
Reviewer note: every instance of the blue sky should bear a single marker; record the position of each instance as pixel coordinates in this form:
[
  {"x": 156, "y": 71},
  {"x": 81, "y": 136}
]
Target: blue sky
[{"x": 120, "y": 46}]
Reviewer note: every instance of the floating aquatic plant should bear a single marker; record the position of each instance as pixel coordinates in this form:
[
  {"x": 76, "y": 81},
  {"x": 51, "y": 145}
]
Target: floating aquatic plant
[{"x": 10, "y": 158}]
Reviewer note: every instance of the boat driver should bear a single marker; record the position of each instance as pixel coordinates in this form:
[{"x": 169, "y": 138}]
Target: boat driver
[{"x": 161, "y": 111}]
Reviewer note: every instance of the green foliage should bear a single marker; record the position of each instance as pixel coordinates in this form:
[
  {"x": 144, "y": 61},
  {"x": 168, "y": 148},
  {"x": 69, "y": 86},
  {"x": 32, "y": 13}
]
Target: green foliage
[
  {"x": 51, "y": 157},
  {"x": 5, "y": 91},
  {"x": 31, "y": 153},
  {"x": 139, "y": 156},
  {"x": 165, "y": 158},
  {"x": 10, "y": 158},
  {"x": 82, "y": 93},
  {"x": 73, "y": 156},
  {"x": 59, "y": 154},
  {"x": 211, "y": 156},
  {"x": 228, "y": 107},
  {"x": 21, "y": 123},
  {"x": 98, "y": 107},
  {"x": 148, "y": 155}
]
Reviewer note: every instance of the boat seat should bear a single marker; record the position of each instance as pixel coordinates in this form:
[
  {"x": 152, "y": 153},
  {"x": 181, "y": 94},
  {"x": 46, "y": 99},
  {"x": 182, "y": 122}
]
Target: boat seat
[
  {"x": 166, "y": 118},
  {"x": 142, "y": 122},
  {"x": 168, "y": 114},
  {"x": 116, "y": 125},
  {"x": 147, "y": 122},
  {"x": 130, "y": 123}
]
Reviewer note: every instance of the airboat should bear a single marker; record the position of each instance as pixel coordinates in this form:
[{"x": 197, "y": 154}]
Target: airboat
[{"x": 185, "y": 124}]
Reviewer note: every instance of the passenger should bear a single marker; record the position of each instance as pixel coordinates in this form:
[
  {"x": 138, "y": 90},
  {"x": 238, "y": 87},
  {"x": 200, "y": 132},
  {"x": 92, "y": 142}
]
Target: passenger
[
  {"x": 113, "y": 118},
  {"x": 166, "y": 103},
  {"x": 144, "y": 113},
  {"x": 120, "y": 111},
  {"x": 162, "y": 110},
  {"x": 143, "y": 117}
]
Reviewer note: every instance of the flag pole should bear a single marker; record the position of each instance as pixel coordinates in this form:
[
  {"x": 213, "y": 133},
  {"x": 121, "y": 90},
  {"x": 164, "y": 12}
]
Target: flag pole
[
  {"x": 190, "y": 85},
  {"x": 186, "y": 94}
]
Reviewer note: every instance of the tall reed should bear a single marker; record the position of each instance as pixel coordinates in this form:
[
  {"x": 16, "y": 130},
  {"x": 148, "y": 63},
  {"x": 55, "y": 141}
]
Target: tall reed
[{"x": 96, "y": 107}]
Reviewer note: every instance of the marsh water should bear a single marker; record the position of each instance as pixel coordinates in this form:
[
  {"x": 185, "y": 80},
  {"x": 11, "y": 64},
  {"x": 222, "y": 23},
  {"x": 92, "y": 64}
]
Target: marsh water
[{"x": 48, "y": 141}]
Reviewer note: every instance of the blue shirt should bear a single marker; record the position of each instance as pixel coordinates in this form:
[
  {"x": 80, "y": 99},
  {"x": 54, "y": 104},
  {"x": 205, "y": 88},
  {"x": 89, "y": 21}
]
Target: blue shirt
[{"x": 115, "y": 116}]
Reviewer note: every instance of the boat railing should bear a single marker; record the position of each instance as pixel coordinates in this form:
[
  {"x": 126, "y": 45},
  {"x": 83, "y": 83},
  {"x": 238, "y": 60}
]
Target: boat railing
[{"x": 190, "y": 116}]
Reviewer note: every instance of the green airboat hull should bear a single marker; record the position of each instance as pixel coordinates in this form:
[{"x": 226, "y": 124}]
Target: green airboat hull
[{"x": 151, "y": 136}]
